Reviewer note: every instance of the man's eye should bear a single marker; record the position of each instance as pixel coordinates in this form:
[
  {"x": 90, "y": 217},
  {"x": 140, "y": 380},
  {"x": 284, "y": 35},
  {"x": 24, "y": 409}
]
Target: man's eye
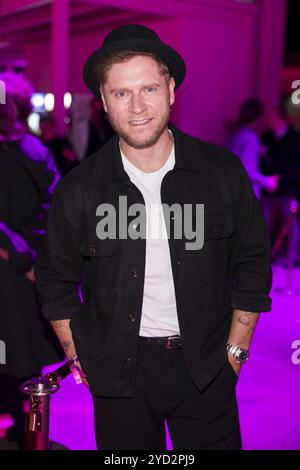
[
  {"x": 150, "y": 89},
  {"x": 121, "y": 94}
]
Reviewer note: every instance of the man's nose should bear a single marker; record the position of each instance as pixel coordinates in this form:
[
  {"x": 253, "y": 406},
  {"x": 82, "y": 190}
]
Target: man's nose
[{"x": 137, "y": 104}]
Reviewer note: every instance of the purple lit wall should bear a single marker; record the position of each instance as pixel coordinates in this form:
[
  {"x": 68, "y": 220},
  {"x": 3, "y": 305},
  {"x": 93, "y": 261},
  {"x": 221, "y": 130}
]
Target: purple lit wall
[{"x": 232, "y": 50}]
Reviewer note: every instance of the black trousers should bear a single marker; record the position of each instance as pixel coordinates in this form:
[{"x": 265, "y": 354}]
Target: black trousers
[{"x": 165, "y": 391}]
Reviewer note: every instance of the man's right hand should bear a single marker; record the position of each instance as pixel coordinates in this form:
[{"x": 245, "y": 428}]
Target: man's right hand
[{"x": 82, "y": 374}]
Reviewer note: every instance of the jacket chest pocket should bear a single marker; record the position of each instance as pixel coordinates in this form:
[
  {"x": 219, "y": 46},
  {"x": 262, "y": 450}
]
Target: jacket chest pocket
[
  {"x": 218, "y": 222},
  {"x": 92, "y": 246},
  {"x": 103, "y": 265},
  {"x": 210, "y": 263}
]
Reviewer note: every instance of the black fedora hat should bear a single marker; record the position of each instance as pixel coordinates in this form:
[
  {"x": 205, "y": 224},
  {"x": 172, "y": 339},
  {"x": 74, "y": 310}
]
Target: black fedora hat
[{"x": 133, "y": 37}]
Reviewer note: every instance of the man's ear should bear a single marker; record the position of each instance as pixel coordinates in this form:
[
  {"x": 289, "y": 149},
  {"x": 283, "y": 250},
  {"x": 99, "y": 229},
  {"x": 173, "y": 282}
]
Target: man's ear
[
  {"x": 171, "y": 90},
  {"x": 102, "y": 97}
]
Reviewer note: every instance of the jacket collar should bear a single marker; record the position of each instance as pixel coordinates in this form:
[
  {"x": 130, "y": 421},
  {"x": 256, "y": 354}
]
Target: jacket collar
[{"x": 109, "y": 167}]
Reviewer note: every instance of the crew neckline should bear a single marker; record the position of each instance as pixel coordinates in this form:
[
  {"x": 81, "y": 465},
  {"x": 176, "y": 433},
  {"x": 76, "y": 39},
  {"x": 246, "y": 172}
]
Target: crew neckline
[{"x": 131, "y": 166}]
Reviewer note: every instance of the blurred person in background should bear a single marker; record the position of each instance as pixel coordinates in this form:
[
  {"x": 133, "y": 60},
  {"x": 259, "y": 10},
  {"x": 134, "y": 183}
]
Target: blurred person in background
[
  {"x": 100, "y": 130},
  {"x": 27, "y": 178},
  {"x": 21, "y": 90},
  {"x": 61, "y": 147},
  {"x": 283, "y": 158},
  {"x": 245, "y": 143}
]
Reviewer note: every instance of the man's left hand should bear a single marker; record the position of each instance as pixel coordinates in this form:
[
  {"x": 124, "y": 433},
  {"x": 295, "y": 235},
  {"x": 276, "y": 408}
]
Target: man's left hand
[{"x": 235, "y": 364}]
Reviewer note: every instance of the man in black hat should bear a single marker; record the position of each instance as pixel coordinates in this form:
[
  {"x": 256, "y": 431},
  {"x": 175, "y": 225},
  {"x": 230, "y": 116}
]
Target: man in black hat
[{"x": 163, "y": 324}]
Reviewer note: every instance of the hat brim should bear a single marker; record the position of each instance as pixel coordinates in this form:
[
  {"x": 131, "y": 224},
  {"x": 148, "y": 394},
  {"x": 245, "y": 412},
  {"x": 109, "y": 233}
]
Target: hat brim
[{"x": 166, "y": 53}]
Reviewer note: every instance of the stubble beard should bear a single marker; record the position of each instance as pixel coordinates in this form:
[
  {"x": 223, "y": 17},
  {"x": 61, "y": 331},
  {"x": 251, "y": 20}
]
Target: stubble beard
[{"x": 141, "y": 143}]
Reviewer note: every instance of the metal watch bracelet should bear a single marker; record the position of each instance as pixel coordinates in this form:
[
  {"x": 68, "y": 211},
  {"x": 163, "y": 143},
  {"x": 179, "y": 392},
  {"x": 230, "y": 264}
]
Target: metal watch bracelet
[{"x": 240, "y": 354}]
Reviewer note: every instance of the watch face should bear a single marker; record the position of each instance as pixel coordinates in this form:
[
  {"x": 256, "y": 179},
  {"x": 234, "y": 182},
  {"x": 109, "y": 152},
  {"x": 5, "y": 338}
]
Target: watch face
[{"x": 243, "y": 356}]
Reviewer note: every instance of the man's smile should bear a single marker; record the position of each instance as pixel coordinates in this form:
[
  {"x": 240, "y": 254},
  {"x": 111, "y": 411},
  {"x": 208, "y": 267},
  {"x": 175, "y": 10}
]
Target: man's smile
[{"x": 139, "y": 122}]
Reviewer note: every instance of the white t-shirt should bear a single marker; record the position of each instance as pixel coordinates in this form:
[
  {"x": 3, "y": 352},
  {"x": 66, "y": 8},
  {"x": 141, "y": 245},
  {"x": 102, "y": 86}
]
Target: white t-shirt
[{"x": 159, "y": 311}]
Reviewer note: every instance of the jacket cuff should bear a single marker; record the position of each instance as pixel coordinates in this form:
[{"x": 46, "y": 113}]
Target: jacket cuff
[
  {"x": 54, "y": 311},
  {"x": 251, "y": 302}
]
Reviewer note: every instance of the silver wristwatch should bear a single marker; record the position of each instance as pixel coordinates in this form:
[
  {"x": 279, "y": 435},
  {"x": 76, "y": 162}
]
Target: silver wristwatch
[{"x": 241, "y": 355}]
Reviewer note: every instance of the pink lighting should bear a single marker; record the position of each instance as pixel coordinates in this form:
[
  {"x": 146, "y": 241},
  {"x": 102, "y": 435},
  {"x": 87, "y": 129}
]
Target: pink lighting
[{"x": 233, "y": 49}]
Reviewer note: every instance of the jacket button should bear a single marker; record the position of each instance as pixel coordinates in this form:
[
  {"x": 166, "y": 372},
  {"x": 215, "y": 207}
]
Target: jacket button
[
  {"x": 93, "y": 249},
  {"x": 128, "y": 360},
  {"x": 131, "y": 317},
  {"x": 134, "y": 273}
]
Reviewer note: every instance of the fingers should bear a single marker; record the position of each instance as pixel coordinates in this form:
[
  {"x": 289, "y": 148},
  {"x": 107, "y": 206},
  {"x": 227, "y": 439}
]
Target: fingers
[{"x": 82, "y": 375}]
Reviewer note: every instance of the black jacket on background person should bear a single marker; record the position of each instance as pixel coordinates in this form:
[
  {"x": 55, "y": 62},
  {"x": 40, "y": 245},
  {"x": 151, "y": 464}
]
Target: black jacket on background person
[
  {"x": 27, "y": 178},
  {"x": 283, "y": 159},
  {"x": 231, "y": 271}
]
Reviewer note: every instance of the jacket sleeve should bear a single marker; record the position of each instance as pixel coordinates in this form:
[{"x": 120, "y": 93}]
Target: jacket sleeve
[
  {"x": 250, "y": 260},
  {"x": 59, "y": 268}
]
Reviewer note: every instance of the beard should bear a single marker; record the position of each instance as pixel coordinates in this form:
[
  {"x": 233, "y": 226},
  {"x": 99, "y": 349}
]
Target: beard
[{"x": 141, "y": 142}]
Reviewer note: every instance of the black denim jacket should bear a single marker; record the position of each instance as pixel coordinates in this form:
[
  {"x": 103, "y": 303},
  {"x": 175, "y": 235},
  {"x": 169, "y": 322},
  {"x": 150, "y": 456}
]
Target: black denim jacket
[{"x": 231, "y": 271}]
